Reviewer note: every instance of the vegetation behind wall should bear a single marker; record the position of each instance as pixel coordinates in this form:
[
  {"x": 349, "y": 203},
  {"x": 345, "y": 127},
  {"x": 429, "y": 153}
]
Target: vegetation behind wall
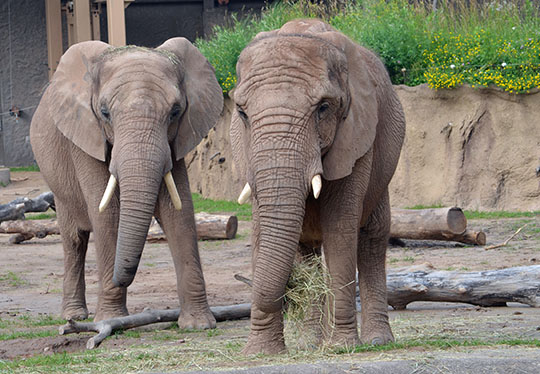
[{"x": 481, "y": 43}]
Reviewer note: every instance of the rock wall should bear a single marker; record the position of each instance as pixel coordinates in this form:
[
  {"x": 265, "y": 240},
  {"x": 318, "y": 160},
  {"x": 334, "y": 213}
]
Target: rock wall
[{"x": 474, "y": 148}]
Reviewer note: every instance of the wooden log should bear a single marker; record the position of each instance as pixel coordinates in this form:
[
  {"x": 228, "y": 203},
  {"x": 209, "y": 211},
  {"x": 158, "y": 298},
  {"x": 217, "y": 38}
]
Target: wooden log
[
  {"x": 447, "y": 224},
  {"x": 484, "y": 288},
  {"x": 15, "y": 210},
  {"x": 106, "y": 327},
  {"x": 209, "y": 227},
  {"x": 26, "y": 230}
]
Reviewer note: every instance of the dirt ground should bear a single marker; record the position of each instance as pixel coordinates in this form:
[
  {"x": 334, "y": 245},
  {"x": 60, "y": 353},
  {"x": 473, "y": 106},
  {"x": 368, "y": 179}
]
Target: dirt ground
[{"x": 31, "y": 283}]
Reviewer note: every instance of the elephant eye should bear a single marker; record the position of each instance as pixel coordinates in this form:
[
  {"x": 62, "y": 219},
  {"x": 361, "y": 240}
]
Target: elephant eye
[
  {"x": 175, "y": 112},
  {"x": 105, "y": 113},
  {"x": 323, "y": 107},
  {"x": 242, "y": 114}
]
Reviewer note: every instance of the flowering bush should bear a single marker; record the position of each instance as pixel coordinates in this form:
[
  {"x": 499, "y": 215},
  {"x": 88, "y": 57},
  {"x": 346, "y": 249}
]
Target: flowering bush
[{"x": 493, "y": 43}]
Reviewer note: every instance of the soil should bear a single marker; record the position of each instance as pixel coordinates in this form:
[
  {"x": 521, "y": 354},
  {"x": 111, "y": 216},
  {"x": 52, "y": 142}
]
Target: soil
[{"x": 36, "y": 267}]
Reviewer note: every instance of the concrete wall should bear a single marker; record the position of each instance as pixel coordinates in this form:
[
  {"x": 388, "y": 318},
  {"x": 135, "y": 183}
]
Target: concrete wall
[
  {"x": 23, "y": 52},
  {"x": 23, "y": 74}
]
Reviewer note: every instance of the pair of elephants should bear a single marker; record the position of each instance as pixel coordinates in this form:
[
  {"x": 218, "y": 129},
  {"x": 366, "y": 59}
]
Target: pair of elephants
[{"x": 316, "y": 135}]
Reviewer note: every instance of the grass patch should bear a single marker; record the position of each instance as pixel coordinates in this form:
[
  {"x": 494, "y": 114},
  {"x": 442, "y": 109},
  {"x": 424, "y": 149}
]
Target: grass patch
[
  {"x": 28, "y": 334},
  {"x": 420, "y": 206},
  {"x": 24, "y": 168},
  {"x": 12, "y": 279},
  {"x": 44, "y": 320},
  {"x": 243, "y": 212},
  {"x": 37, "y": 216},
  {"x": 436, "y": 343},
  {"x": 474, "y": 214}
]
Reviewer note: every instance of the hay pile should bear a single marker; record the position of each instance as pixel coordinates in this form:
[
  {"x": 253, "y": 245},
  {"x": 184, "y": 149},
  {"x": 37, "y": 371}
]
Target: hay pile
[{"x": 308, "y": 303}]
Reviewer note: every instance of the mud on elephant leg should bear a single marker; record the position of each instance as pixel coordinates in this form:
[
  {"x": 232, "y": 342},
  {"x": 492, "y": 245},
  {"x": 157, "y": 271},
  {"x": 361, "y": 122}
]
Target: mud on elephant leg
[
  {"x": 75, "y": 243},
  {"x": 179, "y": 226},
  {"x": 266, "y": 335},
  {"x": 372, "y": 242}
]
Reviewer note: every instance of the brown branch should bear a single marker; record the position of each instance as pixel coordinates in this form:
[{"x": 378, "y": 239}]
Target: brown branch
[
  {"x": 106, "y": 327},
  {"x": 505, "y": 243}
]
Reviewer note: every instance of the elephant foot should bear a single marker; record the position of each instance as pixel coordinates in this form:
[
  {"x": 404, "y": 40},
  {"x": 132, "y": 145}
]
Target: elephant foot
[
  {"x": 379, "y": 336},
  {"x": 256, "y": 344},
  {"x": 344, "y": 339},
  {"x": 108, "y": 313},
  {"x": 196, "y": 320},
  {"x": 75, "y": 313}
]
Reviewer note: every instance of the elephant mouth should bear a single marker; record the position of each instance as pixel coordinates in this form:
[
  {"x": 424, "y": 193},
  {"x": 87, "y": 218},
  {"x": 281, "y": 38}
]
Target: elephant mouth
[
  {"x": 169, "y": 183},
  {"x": 316, "y": 187}
]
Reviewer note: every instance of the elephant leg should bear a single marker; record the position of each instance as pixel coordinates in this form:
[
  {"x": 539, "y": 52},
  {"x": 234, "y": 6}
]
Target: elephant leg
[
  {"x": 341, "y": 324},
  {"x": 372, "y": 242},
  {"x": 75, "y": 243},
  {"x": 179, "y": 227}
]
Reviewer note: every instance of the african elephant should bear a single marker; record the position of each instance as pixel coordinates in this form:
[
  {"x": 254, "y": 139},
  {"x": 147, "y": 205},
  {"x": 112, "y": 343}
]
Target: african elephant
[
  {"x": 315, "y": 111},
  {"x": 126, "y": 115}
]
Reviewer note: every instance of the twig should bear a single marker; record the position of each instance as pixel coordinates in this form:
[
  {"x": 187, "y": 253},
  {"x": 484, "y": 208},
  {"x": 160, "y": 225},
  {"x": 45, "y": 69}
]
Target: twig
[
  {"x": 507, "y": 240},
  {"x": 243, "y": 279}
]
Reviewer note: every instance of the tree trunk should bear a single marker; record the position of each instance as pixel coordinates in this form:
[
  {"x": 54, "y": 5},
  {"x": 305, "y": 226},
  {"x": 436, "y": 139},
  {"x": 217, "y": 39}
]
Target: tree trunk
[
  {"x": 484, "y": 288},
  {"x": 26, "y": 230},
  {"x": 209, "y": 227},
  {"x": 434, "y": 224},
  {"x": 15, "y": 210}
]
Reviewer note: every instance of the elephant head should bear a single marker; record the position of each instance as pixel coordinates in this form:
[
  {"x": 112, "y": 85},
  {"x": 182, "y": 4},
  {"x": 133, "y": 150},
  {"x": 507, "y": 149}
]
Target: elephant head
[
  {"x": 138, "y": 110},
  {"x": 306, "y": 107}
]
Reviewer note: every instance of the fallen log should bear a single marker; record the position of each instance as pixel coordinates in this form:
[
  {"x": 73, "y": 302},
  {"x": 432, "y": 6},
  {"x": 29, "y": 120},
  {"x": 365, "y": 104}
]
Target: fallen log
[
  {"x": 483, "y": 288},
  {"x": 106, "y": 327},
  {"x": 26, "y": 230},
  {"x": 15, "y": 210},
  {"x": 447, "y": 224},
  {"x": 209, "y": 227}
]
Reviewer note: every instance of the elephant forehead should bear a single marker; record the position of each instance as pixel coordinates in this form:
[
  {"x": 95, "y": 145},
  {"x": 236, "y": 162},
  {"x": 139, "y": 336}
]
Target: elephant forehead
[{"x": 288, "y": 52}]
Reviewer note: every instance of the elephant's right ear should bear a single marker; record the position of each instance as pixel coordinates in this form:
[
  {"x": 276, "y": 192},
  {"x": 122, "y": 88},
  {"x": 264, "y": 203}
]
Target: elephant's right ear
[
  {"x": 70, "y": 93},
  {"x": 203, "y": 92}
]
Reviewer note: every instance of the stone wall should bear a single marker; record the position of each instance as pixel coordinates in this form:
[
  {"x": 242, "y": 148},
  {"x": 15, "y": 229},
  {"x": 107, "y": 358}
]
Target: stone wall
[{"x": 477, "y": 149}]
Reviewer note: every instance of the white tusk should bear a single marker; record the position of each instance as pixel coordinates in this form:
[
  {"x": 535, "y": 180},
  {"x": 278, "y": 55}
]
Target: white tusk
[
  {"x": 316, "y": 185},
  {"x": 245, "y": 194},
  {"x": 171, "y": 187},
  {"x": 108, "y": 194}
]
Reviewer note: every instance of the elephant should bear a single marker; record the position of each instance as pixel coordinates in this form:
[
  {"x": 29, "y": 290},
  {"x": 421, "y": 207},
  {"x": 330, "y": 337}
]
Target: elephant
[
  {"x": 317, "y": 133},
  {"x": 110, "y": 135}
]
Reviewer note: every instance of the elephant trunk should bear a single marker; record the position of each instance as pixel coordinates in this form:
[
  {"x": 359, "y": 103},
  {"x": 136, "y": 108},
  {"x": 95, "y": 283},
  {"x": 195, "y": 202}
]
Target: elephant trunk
[
  {"x": 140, "y": 174},
  {"x": 281, "y": 192}
]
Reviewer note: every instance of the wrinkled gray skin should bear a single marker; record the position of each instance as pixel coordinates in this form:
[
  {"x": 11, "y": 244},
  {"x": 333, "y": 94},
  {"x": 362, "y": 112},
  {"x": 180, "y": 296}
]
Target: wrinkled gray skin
[
  {"x": 310, "y": 101},
  {"x": 133, "y": 113}
]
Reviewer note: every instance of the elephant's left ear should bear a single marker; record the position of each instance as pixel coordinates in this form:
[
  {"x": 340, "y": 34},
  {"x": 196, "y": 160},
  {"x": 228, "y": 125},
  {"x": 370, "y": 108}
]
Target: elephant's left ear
[
  {"x": 203, "y": 93},
  {"x": 356, "y": 134}
]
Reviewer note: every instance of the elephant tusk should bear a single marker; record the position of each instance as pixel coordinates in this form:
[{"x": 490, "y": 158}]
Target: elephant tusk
[
  {"x": 245, "y": 194},
  {"x": 316, "y": 185},
  {"x": 171, "y": 187},
  {"x": 108, "y": 194}
]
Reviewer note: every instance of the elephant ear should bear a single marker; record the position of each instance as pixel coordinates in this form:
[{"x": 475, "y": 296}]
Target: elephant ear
[
  {"x": 203, "y": 94},
  {"x": 240, "y": 142},
  {"x": 70, "y": 93},
  {"x": 356, "y": 134}
]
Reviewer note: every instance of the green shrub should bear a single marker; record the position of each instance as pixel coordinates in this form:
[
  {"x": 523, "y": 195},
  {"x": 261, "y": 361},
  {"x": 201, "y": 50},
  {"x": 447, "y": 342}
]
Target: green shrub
[{"x": 482, "y": 44}]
